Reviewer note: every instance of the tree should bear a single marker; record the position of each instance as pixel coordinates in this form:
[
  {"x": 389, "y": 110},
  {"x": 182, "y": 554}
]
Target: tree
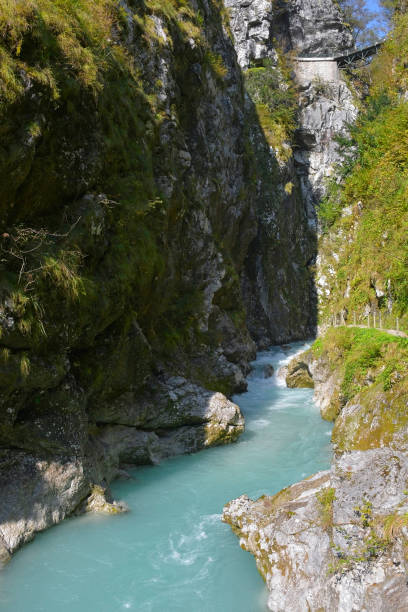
[
  {"x": 393, "y": 7},
  {"x": 363, "y": 21}
]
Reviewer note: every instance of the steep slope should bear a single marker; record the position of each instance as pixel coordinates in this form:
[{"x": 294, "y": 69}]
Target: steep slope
[
  {"x": 135, "y": 176},
  {"x": 363, "y": 250},
  {"x": 338, "y": 540},
  {"x": 267, "y": 37}
]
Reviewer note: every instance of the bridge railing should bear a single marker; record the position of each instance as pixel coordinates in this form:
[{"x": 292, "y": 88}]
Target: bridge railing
[{"x": 347, "y": 59}]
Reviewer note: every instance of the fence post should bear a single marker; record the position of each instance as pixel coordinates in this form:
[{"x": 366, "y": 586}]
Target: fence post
[
  {"x": 368, "y": 320},
  {"x": 397, "y": 324},
  {"x": 380, "y": 321},
  {"x": 354, "y": 318},
  {"x": 374, "y": 319}
]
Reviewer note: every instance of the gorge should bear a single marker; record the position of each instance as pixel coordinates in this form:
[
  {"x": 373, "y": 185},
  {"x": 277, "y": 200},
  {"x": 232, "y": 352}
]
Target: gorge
[{"x": 163, "y": 165}]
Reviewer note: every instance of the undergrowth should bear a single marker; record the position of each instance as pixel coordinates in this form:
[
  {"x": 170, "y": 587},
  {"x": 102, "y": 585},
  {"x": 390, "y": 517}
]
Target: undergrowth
[
  {"x": 275, "y": 99},
  {"x": 366, "y": 356},
  {"x": 364, "y": 217}
]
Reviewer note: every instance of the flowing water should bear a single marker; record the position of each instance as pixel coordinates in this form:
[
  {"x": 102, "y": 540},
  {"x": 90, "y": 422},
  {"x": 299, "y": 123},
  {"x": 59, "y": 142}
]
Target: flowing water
[{"x": 171, "y": 552}]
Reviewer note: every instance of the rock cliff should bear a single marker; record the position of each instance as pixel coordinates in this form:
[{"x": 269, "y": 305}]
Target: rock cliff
[
  {"x": 154, "y": 231},
  {"x": 327, "y": 106},
  {"x": 338, "y": 540},
  {"x": 151, "y": 238},
  {"x": 262, "y": 33},
  {"x": 308, "y": 29}
]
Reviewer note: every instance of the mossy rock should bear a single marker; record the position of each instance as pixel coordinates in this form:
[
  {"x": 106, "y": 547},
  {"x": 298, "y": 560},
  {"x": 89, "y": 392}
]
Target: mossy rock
[
  {"x": 299, "y": 375},
  {"x": 373, "y": 419},
  {"x": 332, "y": 411}
]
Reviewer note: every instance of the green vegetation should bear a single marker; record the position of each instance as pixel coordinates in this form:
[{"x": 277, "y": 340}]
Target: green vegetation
[
  {"x": 360, "y": 352},
  {"x": 275, "y": 99},
  {"x": 326, "y": 497},
  {"x": 372, "y": 368},
  {"x": 80, "y": 115},
  {"x": 365, "y": 217}
]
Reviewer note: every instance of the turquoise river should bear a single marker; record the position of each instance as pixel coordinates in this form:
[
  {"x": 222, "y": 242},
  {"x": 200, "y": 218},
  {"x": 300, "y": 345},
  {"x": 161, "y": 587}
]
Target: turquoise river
[{"x": 171, "y": 552}]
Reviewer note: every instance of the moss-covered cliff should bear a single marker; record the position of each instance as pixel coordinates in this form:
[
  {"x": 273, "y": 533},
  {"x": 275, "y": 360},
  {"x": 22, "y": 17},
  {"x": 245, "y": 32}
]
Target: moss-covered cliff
[{"x": 134, "y": 176}]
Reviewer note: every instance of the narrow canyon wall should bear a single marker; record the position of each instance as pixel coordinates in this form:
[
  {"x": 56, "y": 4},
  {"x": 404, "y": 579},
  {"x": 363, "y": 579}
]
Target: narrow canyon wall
[
  {"x": 338, "y": 540},
  {"x": 278, "y": 283},
  {"x": 151, "y": 237},
  {"x": 137, "y": 185}
]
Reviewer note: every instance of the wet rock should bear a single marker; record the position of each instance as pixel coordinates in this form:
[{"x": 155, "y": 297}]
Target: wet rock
[
  {"x": 268, "y": 371},
  {"x": 4, "y": 555},
  {"x": 318, "y": 373},
  {"x": 298, "y": 375},
  {"x": 100, "y": 501}
]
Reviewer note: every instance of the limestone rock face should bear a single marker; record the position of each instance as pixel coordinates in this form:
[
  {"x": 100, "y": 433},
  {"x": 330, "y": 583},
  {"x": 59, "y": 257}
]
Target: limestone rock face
[
  {"x": 287, "y": 233},
  {"x": 338, "y": 540},
  {"x": 327, "y": 384},
  {"x": 326, "y": 108},
  {"x": 145, "y": 318},
  {"x": 36, "y": 493},
  {"x": 335, "y": 541},
  {"x": 181, "y": 419},
  {"x": 316, "y": 29},
  {"x": 39, "y": 492},
  {"x": 307, "y": 28},
  {"x": 152, "y": 272},
  {"x": 251, "y": 25}
]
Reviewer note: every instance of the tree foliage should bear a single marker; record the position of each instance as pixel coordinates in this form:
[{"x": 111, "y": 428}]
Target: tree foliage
[
  {"x": 362, "y": 21},
  {"x": 394, "y": 7}
]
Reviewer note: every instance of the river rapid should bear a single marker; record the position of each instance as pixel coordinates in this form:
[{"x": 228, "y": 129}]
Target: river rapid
[{"x": 171, "y": 552}]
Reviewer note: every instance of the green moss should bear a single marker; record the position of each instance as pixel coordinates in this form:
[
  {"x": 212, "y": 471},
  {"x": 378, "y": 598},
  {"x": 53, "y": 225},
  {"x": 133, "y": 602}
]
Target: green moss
[
  {"x": 372, "y": 368},
  {"x": 325, "y": 498},
  {"x": 271, "y": 89},
  {"x": 75, "y": 55}
]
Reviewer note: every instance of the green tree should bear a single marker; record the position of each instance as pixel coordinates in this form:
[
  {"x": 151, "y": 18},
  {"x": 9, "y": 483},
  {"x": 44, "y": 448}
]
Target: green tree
[
  {"x": 362, "y": 21},
  {"x": 394, "y": 7}
]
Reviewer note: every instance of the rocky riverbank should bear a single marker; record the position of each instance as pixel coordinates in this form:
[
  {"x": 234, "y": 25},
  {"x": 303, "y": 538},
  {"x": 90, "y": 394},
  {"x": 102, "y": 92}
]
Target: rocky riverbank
[{"x": 339, "y": 540}]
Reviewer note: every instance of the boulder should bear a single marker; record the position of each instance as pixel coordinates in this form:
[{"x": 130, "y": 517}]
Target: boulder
[
  {"x": 268, "y": 370},
  {"x": 298, "y": 375},
  {"x": 101, "y": 502}
]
